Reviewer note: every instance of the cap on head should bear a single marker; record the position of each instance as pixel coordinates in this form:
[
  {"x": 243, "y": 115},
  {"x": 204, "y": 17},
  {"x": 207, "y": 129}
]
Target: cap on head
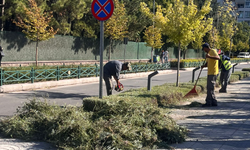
[
  {"x": 206, "y": 45},
  {"x": 128, "y": 65}
]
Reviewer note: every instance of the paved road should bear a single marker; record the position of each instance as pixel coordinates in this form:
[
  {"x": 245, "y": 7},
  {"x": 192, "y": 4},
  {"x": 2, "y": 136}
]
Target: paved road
[{"x": 74, "y": 94}]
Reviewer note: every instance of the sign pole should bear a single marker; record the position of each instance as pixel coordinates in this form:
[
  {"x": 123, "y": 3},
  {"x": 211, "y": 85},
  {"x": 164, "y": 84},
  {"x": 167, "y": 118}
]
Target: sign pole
[
  {"x": 125, "y": 42},
  {"x": 101, "y": 57},
  {"x": 102, "y": 10}
]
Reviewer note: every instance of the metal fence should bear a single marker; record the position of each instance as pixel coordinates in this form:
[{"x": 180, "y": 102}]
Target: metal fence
[{"x": 33, "y": 75}]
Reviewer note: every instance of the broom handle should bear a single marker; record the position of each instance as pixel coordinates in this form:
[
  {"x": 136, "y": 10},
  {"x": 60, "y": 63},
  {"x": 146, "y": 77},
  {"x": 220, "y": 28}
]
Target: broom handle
[
  {"x": 198, "y": 77},
  {"x": 199, "y": 74}
]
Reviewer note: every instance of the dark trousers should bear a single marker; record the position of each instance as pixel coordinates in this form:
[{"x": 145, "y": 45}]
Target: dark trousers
[
  {"x": 108, "y": 83},
  {"x": 166, "y": 59},
  {"x": 162, "y": 59},
  {"x": 211, "y": 80},
  {"x": 224, "y": 78},
  {"x": 0, "y": 60}
]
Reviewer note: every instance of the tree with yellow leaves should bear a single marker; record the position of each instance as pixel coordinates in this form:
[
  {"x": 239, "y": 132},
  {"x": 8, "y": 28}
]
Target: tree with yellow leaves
[
  {"x": 116, "y": 26},
  {"x": 35, "y": 24},
  {"x": 153, "y": 38},
  {"x": 213, "y": 38},
  {"x": 227, "y": 25},
  {"x": 182, "y": 23}
]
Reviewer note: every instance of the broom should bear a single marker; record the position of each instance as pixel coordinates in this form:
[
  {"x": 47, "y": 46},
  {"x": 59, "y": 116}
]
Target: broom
[{"x": 193, "y": 92}]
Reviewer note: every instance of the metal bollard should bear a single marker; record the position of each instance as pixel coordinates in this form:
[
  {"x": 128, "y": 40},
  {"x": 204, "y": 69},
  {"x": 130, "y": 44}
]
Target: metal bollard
[
  {"x": 194, "y": 73},
  {"x": 234, "y": 66},
  {"x": 149, "y": 79}
]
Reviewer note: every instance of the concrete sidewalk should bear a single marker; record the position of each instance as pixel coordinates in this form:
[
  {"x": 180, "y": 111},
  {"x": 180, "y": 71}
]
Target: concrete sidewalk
[
  {"x": 15, "y": 144},
  {"x": 225, "y": 127}
]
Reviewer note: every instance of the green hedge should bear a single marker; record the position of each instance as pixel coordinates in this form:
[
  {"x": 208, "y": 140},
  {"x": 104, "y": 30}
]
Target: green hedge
[
  {"x": 239, "y": 60},
  {"x": 246, "y": 69},
  {"x": 238, "y": 75},
  {"x": 188, "y": 63}
]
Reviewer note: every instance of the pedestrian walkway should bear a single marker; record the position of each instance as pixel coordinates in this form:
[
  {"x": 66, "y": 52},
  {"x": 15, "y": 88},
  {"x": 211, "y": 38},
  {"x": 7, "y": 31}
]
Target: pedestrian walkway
[
  {"x": 225, "y": 127},
  {"x": 15, "y": 144}
]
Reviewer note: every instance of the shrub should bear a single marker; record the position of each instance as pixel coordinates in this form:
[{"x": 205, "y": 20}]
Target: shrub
[
  {"x": 187, "y": 63},
  {"x": 246, "y": 69},
  {"x": 238, "y": 75}
]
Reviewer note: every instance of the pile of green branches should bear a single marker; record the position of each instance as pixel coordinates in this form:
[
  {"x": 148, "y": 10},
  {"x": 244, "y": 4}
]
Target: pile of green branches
[{"x": 131, "y": 120}]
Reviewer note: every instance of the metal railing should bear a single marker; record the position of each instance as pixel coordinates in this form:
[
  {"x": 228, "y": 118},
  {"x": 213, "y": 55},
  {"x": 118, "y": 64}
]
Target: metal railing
[{"x": 33, "y": 75}]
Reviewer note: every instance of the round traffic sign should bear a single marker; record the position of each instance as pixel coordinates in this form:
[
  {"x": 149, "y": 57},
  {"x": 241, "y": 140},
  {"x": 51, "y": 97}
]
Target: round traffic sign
[{"x": 102, "y": 9}]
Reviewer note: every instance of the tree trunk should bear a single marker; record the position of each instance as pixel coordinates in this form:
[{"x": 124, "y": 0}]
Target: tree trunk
[
  {"x": 110, "y": 47},
  {"x": 178, "y": 64},
  {"x": 138, "y": 49},
  {"x": 184, "y": 54},
  {"x": 213, "y": 38},
  {"x": 37, "y": 53},
  {"x": 152, "y": 55},
  {"x": 2, "y": 14},
  {"x": 230, "y": 46},
  {"x": 37, "y": 40}
]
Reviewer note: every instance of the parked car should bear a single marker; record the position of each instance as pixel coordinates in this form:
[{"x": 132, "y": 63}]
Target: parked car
[{"x": 243, "y": 55}]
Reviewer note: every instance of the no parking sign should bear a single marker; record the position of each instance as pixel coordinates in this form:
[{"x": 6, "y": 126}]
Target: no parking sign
[{"x": 102, "y": 9}]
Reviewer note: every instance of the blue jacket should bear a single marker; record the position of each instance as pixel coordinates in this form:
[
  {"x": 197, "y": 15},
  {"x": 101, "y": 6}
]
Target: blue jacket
[{"x": 112, "y": 68}]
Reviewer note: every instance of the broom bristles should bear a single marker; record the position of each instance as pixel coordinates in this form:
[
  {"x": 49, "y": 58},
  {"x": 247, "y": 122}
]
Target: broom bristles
[{"x": 193, "y": 92}]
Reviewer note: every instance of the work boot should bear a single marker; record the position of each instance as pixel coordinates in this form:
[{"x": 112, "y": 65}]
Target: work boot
[
  {"x": 214, "y": 104},
  {"x": 206, "y": 105},
  {"x": 222, "y": 91}
]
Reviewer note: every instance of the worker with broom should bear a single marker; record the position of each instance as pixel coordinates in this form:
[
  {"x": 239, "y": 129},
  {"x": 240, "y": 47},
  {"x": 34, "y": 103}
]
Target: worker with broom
[{"x": 212, "y": 60}]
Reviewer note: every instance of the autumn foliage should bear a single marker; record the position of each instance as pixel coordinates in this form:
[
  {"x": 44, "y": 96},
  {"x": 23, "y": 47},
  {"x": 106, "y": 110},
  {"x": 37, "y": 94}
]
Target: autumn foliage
[
  {"x": 116, "y": 26},
  {"x": 35, "y": 24}
]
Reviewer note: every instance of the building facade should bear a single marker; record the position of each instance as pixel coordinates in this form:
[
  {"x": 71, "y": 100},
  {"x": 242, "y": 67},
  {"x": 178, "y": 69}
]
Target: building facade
[{"x": 243, "y": 10}]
